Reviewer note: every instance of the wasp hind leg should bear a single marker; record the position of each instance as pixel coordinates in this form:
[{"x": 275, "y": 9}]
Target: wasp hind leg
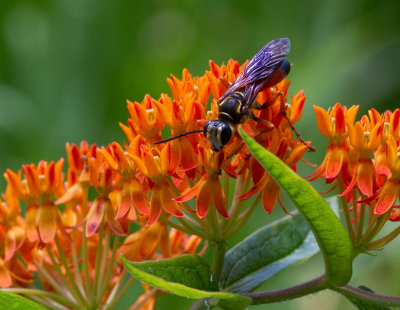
[
  {"x": 284, "y": 114},
  {"x": 282, "y": 104}
]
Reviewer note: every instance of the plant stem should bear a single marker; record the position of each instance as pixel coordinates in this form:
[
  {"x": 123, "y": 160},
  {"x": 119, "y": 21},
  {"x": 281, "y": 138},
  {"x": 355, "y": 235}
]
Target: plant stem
[
  {"x": 62, "y": 258},
  {"x": 34, "y": 292},
  {"x": 110, "y": 265},
  {"x": 218, "y": 258},
  {"x": 140, "y": 303},
  {"x": 297, "y": 291},
  {"x": 75, "y": 266},
  {"x": 60, "y": 289},
  {"x": 70, "y": 285},
  {"x": 346, "y": 210},
  {"x": 85, "y": 258},
  {"x": 243, "y": 218},
  {"x": 385, "y": 240},
  {"x": 98, "y": 262},
  {"x": 369, "y": 298}
]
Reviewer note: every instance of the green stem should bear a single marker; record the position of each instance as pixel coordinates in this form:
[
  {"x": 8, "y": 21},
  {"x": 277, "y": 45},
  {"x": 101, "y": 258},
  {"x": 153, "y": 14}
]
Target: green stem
[
  {"x": 346, "y": 210},
  {"x": 85, "y": 259},
  {"x": 75, "y": 266},
  {"x": 148, "y": 295},
  {"x": 227, "y": 183},
  {"x": 355, "y": 214},
  {"x": 122, "y": 292},
  {"x": 213, "y": 220},
  {"x": 174, "y": 225},
  {"x": 288, "y": 293},
  {"x": 191, "y": 230},
  {"x": 34, "y": 292},
  {"x": 105, "y": 262},
  {"x": 218, "y": 258},
  {"x": 385, "y": 240},
  {"x": 243, "y": 218},
  {"x": 63, "y": 260},
  {"x": 70, "y": 285},
  {"x": 48, "y": 303},
  {"x": 377, "y": 228},
  {"x": 369, "y": 298},
  {"x": 361, "y": 223},
  {"x": 98, "y": 263},
  {"x": 110, "y": 265},
  {"x": 60, "y": 289}
]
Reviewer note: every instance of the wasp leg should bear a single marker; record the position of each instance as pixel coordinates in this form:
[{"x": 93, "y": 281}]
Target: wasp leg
[
  {"x": 224, "y": 82},
  {"x": 283, "y": 113},
  {"x": 254, "y": 118},
  {"x": 266, "y": 104}
]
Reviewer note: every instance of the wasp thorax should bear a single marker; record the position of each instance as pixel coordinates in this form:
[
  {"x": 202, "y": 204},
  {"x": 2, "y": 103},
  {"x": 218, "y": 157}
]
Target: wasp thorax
[
  {"x": 230, "y": 108},
  {"x": 218, "y": 134}
]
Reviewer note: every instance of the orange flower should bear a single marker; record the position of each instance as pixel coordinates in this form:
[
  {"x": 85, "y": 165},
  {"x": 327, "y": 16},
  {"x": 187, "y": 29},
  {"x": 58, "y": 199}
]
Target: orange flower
[
  {"x": 43, "y": 184},
  {"x": 209, "y": 189},
  {"x": 364, "y": 139},
  {"x": 145, "y": 120},
  {"x": 133, "y": 192},
  {"x": 288, "y": 151},
  {"x": 332, "y": 124},
  {"x": 391, "y": 188},
  {"x": 155, "y": 166}
]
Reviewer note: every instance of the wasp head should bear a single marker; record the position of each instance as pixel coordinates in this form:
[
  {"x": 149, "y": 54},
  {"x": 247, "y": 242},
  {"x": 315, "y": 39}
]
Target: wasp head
[{"x": 218, "y": 134}]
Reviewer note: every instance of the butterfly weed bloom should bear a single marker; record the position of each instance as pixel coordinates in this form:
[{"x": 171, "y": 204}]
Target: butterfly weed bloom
[
  {"x": 72, "y": 245},
  {"x": 185, "y": 168},
  {"x": 362, "y": 159},
  {"x": 138, "y": 198}
]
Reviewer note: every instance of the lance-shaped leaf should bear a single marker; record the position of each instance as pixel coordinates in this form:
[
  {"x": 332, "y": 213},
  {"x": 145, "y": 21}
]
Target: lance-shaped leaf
[
  {"x": 266, "y": 252},
  {"x": 10, "y": 301},
  {"x": 331, "y": 236},
  {"x": 188, "y": 276}
]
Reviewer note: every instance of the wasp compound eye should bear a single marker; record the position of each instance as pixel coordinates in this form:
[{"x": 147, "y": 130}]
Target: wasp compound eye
[
  {"x": 225, "y": 133},
  {"x": 217, "y": 133}
]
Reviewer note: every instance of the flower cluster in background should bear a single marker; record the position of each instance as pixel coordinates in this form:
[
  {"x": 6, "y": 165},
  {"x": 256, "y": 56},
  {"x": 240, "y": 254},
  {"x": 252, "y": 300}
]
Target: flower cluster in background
[{"x": 363, "y": 159}]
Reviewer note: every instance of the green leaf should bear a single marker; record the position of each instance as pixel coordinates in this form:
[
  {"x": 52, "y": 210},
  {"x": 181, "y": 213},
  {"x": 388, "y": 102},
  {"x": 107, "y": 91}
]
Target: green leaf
[
  {"x": 188, "y": 276},
  {"x": 266, "y": 252},
  {"x": 331, "y": 236},
  {"x": 10, "y": 301}
]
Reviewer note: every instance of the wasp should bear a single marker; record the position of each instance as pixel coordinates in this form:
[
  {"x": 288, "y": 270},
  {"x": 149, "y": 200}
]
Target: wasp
[{"x": 267, "y": 68}]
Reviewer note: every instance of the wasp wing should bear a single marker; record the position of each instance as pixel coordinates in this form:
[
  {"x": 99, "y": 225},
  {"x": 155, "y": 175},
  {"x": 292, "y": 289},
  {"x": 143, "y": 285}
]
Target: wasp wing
[{"x": 260, "y": 68}]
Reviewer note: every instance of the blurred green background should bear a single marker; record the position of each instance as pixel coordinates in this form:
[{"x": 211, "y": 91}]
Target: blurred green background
[{"x": 67, "y": 67}]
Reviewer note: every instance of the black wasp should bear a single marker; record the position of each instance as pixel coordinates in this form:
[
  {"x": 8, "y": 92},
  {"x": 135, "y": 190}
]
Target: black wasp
[{"x": 267, "y": 68}]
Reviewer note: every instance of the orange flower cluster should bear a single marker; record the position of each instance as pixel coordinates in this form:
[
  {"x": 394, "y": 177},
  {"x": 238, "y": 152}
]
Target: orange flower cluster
[
  {"x": 71, "y": 218},
  {"x": 47, "y": 240},
  {"x": 362, "y": 155},
  {"x": 185, "y": 168}
]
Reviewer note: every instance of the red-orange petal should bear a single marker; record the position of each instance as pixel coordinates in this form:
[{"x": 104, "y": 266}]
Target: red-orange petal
[
  {"x": 219, "y": 198},
  {"x": 387, "y": 197},
  {"x": 5, "y": 277},
  {"x": 95, "y": 216},
  {"x": 155, "y": 206},
  {"x": 203, "y": 200},
  {"x": 270, "y": 196},
  {"x": 334, "y": 162},
  {"x": 365, "y": 177},
  {"x": 46, "y": 221},
  {"x": 323, "y": 121}
]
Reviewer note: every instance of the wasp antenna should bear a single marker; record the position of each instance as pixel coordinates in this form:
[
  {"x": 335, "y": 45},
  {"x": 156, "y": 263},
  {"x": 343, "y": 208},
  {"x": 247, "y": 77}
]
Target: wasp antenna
[{"x": 178, "y": 136}]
